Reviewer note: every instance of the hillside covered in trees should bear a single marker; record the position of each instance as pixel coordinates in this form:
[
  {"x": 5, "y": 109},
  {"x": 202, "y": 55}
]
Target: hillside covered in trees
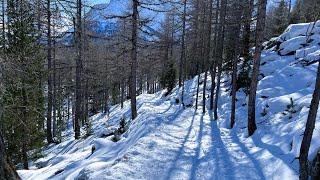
[{"x": 160, "y": 89}]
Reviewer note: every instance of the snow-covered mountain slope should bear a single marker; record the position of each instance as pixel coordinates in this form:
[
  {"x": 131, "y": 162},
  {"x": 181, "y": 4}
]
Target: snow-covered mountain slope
[
  {"x": 166, "y": 141},
  {"x": 102, "y": 20}
]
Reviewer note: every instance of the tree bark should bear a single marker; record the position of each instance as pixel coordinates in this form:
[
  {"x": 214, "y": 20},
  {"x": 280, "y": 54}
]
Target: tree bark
[
  {"x": 307, "y": 137},
  {"x": 54, "y": 95},
  {"x": 182, "y": 55},
  {"x": 24, "y": 139},
  {"x": 3, "y": 24},
  {"x": 256, "y": 66},
  {"x": 133, "y": 74},
  {"x": 213, "y": 68},
  {"x": 207, "y": 55},
  {"x": 220, "y": 54},
  {"x": 78, "y": 90},
  {"x": 49, "y": 58},
  {"x": 247, "y": 29},
  {"x": 235, "y": 62},
  {"x": 7, "y": 170}
]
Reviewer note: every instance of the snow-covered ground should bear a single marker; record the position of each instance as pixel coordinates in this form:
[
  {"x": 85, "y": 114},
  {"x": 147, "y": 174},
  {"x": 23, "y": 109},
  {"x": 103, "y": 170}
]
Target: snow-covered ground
[{"x": 166, "y": 141}]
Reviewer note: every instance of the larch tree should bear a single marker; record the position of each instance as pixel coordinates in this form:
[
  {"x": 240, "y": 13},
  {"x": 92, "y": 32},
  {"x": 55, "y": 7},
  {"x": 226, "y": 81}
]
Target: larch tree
[
  {"x": 207, "y": 51},
  {"x": 310, "y": 125},
  {"x": 49, "y": 61},
  {"x": 219, "y": 54},
  {"x": 78, "y": 86},
  {"x": 214, "y": 63},
  {"x": 236, "y": 55},
  {"x": 133, "y": 72},
  {"x": 256, "y": 66},
  {"x": 182, "y": 62}
]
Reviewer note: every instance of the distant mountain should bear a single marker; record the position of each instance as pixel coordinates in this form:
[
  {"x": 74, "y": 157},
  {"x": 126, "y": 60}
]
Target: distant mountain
[{"x": 100, "y": 20}]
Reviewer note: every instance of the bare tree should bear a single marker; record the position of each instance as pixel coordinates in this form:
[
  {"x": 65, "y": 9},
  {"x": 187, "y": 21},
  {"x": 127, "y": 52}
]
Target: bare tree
[
  {"x": 256, "y": 66},
  {"x": 236, "y": 30},
  {"x": 307, "y": 137},
  {"x": 183, "y": 53},
  {"x": 133, "y": 74},
  {"x": 213, "y": 67},
  {"x": 219, "y": 57},
  {"x": 78, "y": 87},
  {"x": 49, "y": 58},
  {"x": 207, "y": 54}
]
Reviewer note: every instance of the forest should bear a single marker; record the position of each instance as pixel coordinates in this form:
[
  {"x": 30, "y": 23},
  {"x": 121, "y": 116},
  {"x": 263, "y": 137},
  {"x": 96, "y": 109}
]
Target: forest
[{"x": 159, "y": 89}]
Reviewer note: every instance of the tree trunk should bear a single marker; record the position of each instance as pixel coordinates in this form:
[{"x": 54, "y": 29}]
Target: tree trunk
[
  {"x": 305, "y": 145},
  {"x": 3, "y": 24},
  {"x": 49, "y": 57},
  {"x": 235, "y": 62},
  {"x": 182, "y": 55},
  {"x": 78, "y": 90},
  {"x": 198, "y": 85},
  {"x": 54, "y": 96},
  {"x": 122, "y": 92},
  {"x": 213, "y": 67},
  {"x": 207, "y": 56},
  {"x": 234, "y": 91},
  {"x": 133, "y": 75},
  {"x": 220, "y": 54},
  {"x": 7, "y": 170},
  {"x": 24, "y": 139},
  {"x": 256, "y": 65},
  {"x": 247, "y": 29}
]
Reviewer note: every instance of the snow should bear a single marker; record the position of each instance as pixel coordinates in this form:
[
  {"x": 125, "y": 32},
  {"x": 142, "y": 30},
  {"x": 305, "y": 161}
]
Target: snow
[
  {"x": 167, "y": 141},
  {"x": 298, "y": 36},
  {"x": 302, "y": 29}
]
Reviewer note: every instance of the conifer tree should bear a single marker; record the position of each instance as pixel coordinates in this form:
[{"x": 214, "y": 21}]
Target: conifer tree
[{"x": 23, "y": 92}]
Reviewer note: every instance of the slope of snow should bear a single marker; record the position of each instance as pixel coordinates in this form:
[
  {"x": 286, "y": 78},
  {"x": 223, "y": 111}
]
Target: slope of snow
[
  {"x": 166, "y": 141},
  {"x": 102, "y": 20}
]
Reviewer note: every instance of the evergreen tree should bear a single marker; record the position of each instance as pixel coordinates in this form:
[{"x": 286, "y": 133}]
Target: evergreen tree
[
  {"x": 23, "y": 92},
  {"x": 281, "y": 14},
  {"x": 277, "y": 19}
]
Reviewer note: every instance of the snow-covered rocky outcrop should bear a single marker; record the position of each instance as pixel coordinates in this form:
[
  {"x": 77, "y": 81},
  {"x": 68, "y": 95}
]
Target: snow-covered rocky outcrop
[{"x": 166, "y": 141}]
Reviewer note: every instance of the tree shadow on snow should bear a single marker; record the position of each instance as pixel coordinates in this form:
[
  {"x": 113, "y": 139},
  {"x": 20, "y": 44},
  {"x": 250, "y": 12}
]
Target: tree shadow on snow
[
  {"x": 245, "y": 150},
  {"x": 276, "y": 151},
  {"x": 196, "y": 158},
  {"x": 224, "y": 167},
  {"x": 181, "y": 150}
]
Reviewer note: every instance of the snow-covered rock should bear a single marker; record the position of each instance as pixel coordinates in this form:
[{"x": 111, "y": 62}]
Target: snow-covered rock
[{"x": 297, "y": 37}]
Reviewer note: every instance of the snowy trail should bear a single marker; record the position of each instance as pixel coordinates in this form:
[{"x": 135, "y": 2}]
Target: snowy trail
[
  {"x": 189, "y": 145},
  {"x": 168, "y": 142}
]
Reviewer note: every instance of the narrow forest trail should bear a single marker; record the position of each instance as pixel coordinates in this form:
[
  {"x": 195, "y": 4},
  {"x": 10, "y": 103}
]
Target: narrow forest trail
[
  {"x": 167, "y": 141},
  {"x": 189, "y": 145}
]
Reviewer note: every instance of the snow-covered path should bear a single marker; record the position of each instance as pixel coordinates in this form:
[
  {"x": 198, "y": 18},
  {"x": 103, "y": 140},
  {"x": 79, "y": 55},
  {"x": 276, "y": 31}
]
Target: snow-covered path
[
  {"x": 168, "y": 142},
  {"x": 189, "y": 145}
]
